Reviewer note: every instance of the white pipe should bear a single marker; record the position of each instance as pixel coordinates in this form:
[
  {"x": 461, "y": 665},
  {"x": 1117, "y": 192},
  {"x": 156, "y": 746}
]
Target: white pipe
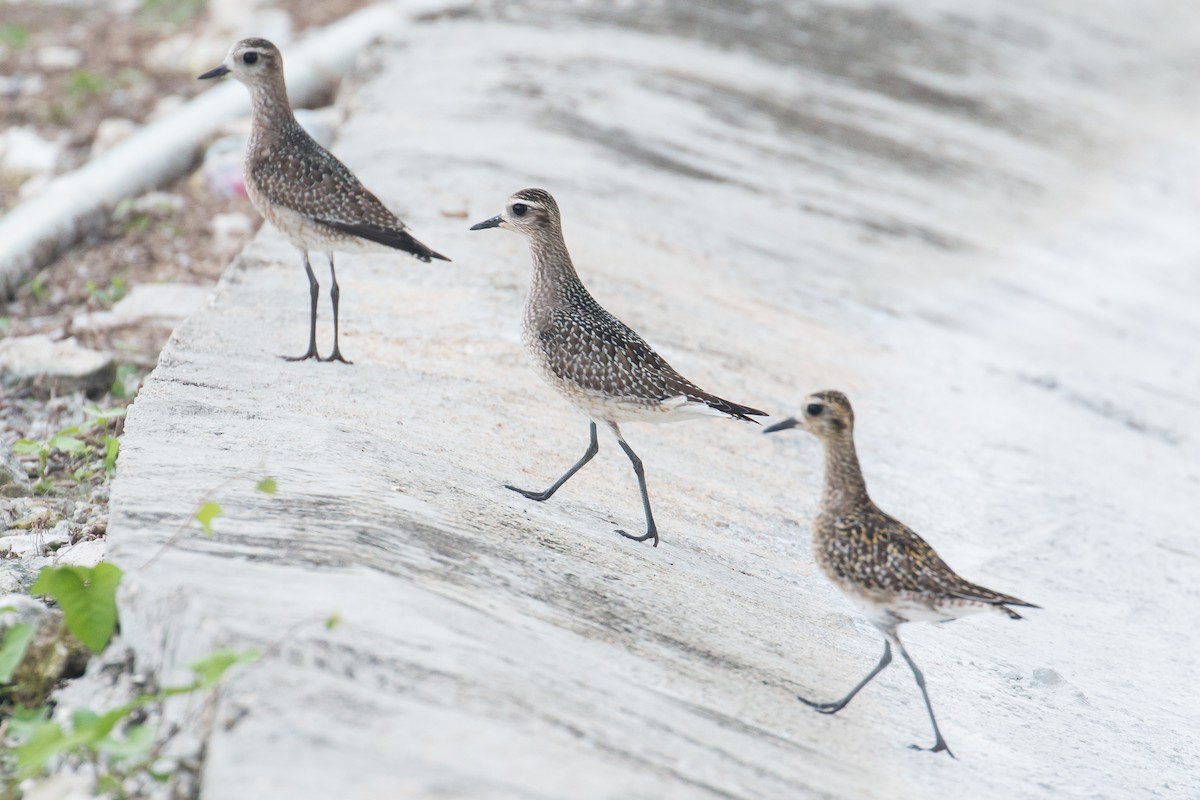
[{"x": 37, "y": 231}]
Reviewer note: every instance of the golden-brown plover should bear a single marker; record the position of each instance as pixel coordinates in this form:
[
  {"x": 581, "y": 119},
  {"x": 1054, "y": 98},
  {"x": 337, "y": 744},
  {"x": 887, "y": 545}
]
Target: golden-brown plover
[
  {"x": 886, "y": 570},
  {"x": 593, "y": 359},
  {"x": 301, "y": 188}
]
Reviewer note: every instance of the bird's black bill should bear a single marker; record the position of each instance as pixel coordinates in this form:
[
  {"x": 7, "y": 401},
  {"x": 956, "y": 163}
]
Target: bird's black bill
[
  {"x": 494, "y": 222},
  {"x": 790, "y": 422},
  {"x": 216, "y": 72}
]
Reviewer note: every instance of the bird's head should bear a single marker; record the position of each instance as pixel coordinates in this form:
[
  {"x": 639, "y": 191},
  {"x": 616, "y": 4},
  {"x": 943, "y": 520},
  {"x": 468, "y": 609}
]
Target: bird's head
[
  {"x": 826, "y": 415},
  {"x": 529, "y": 211},
  {"x": 251, "y": 61}
]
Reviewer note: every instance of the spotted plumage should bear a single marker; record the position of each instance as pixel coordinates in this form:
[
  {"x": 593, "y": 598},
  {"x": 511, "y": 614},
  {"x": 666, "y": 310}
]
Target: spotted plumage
[
  {"x": 301, "y": 188},
  {"x": 886, "y": 570},
  {"x": 594, "y": 360}
]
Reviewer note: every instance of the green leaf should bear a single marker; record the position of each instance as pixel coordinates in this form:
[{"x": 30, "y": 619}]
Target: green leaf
[
  {"x": 24, "y": 721},
  {"x": 210, "y": 669},
  {"x": 112, "y": 447},
  {"x": 28, "y": 446},
  {"x": 87, "y": 596},
  {"x": 266, "y": 486},
  {"x": 68, "y": 444},
  {"x": 137, "y": 743},
  {"x": 332, "y": 621},
  {"x": 84, "y": 721},
  {"x": 16, "y": 642},
  {"x": 205, "y": 515},
  {"x": 96, "y": 412},
  {"x": 45, "y": 741}
]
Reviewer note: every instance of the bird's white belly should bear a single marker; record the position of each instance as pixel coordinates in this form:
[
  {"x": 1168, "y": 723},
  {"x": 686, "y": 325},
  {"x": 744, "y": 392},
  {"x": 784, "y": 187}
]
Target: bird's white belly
[{"x": 307, "y": 233}]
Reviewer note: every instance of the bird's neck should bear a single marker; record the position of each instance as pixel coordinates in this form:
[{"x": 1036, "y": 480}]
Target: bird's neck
[
  {"x": 555, "y": 282},
  {"x": 844, "y": 485},
  {"x": 272, "y": 115}
]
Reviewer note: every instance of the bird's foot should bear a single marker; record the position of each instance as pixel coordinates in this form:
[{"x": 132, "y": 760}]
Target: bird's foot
[
  {"x": 536, "y": 496},
  {"x": 938, "y": 747},
  {"x": 824, "y": 708},
  {"x": 312, "y": 353},
  {"x": 650, "y": 534},
  {"x": 336, "y": 355}
]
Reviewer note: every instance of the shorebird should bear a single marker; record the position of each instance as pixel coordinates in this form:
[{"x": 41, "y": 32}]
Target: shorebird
[
  {"x": 886, "y": 570},
  {"x": 598, "y": 363},
  {"x": 302, "y": 189}
]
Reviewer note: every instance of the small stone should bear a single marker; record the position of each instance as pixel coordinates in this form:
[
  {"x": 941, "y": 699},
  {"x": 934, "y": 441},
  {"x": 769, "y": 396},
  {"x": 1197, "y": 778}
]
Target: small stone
[
  {"x": 230, "y": 16},
  {"x": 61, "y": 367},
  {"x": 58, "y": 57},
  {"x": 16, "y": 576},
  {"x": 21, "y": 85},
  {"x": 24, "y": 152},
  {"x": 230, "y": 232},
  {"x": 60, "y": 787},
  {"x": 111, "y": 132},
  {"x": 34, "y": 185},
  {"x": 222, "y": 169},
  {"x": 50, "y": 655},
  {"x": 14, "y": 481},
  {"x": 156, "y": 204},
  {"x": 38, "y": 543},
  {"x": 166, "y": 105},
  {"x": 87, "y": 553},
  {"x": 162, "y": 305},
  {"x": 34, "y": 517}
]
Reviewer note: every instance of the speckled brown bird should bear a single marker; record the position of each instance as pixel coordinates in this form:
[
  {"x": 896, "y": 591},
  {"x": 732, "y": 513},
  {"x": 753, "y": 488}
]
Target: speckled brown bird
[
  {"x": 886, "y": 570},
  {"x": 302, "y": 189},
  {"x": 598, "y": 363}
]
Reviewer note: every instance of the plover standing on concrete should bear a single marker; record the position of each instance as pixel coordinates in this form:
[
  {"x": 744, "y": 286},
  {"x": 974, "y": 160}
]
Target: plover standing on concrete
[
  {"x": 593, "y": 359},
  {"x": 886, "y": 570},
  {"x": 301, "y": 188}
]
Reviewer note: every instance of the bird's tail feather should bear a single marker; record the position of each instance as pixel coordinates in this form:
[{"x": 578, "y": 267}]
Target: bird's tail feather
[{"x": 390, "y": 237}]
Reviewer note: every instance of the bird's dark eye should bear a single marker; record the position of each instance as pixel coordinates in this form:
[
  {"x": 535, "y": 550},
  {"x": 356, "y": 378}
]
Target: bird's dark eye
[
  {"x": 519, "y": 209},
  {"x": 249, "y": 58},
  {"x": 814, "y": 409}
]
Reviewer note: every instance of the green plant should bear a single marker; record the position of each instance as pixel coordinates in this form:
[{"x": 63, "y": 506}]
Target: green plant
[
  {"x": 124, "y": 750},
  {"x": 14, "y": 36},
  {"x": 124, "y": 377},
  {"x": 175, "y": 12},
  {"x": 12, "y": 651},
  {"x": 114, "y": 292},
  {"x": 84, "y": 83},
  {"x": 93, "y": 443},
  {"x": 87, "y": 597},
  {"x": 117, "y": 752},
  {"x": 37, "y": 287}
]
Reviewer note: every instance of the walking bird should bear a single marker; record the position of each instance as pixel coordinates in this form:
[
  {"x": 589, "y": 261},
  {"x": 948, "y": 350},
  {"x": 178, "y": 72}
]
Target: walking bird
[
  {"x": 598, "y": 363},
  {"x": 886, "y": 570}
]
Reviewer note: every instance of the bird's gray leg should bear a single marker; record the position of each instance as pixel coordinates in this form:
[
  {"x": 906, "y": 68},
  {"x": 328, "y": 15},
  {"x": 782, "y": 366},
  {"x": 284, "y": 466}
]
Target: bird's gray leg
[
  {"x": 313, "y": 291},
  {"x": 651, "y": 528},
  {"x": 939, "y": 743},
  {"x": 838, "y": 705},
  {"x": 593, "y": 448},
  {"x": 334, "y": 294}
]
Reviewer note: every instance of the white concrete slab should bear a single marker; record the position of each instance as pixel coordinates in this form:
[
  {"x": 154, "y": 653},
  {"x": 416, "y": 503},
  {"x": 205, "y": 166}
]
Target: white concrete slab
[{"x": 978, "y": 221}]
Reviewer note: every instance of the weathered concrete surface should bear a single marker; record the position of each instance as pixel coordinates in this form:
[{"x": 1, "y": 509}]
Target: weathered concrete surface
[{"x": 981, "y": 223}]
